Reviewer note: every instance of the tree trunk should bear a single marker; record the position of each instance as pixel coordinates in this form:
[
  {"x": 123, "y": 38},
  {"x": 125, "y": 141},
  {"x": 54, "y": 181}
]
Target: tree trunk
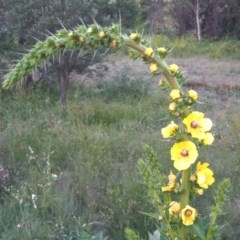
[
  {"x": 63, "y": 81},
  {"x": 197, "y": 13}
]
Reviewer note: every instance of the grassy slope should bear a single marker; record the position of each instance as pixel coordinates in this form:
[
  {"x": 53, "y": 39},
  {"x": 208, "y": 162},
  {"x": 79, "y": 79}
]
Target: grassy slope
[{"x": 93, "y": 146}]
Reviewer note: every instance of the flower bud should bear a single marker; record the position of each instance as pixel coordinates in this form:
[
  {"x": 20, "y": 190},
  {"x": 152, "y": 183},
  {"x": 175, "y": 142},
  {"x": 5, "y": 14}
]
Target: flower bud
[
  {"x": 174, "y": 69},
  {"x": 101, "y": 34}
]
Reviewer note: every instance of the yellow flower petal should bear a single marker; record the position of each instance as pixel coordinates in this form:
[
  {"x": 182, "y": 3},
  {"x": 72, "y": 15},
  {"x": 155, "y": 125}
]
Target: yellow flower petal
[
  {"x": 169, "y": 130},
  {"x": 199, "y": 191},
  {"x": 206, "y": 124},
  {"x": 174, "y": 207},
  {"x": 204, "y": 175},
  {"x": 167, "y": 189},
  {"x": 171, "y": 183},
  {"x": 208, "y": 139}
]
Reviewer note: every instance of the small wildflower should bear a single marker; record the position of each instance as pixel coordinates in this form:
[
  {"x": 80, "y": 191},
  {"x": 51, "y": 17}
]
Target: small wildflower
[
  {"x": 148, "y": 52},
  {"x": 171, "y": 183},
  {"x": 173, "y": 68},
  {"x": 174, "y": 207},
  {"x": 175, "y": 94},
  {"x": 204, "y": 175},
  {"x": 169, "y": 130},
  {"x": 208, "y": 139},
  {"x": 153, "y": 67},
  {"x": 192, "y": 95},
  {"x": 188, "y": 215},
  {"x": 184, "y": 154}
]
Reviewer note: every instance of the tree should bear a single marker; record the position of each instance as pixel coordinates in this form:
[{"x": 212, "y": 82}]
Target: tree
[
  {"x": 208, "y": 18},
  {"x": 24, "y": 21}
]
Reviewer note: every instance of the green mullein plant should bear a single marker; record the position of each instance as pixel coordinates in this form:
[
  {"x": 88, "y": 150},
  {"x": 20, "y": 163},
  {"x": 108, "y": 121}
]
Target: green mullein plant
[{"x": 176, "y": 215}]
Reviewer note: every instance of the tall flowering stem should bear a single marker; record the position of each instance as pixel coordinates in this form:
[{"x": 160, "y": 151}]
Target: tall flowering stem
[
  {"x": 185, "y": 190},
  {"x": 154, "y": 59}
]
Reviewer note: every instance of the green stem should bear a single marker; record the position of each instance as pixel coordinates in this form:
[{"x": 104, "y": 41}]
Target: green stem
[
  {"x": 159, "y": 61},
  {"x": 185, "y": 191}
]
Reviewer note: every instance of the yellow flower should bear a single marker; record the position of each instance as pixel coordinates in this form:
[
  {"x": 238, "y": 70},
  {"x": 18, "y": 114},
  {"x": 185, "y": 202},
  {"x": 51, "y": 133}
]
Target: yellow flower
[
  {"x": 101, "y": 34},
  {"x": 192, "y": 95},
  {"x": 153, "y": 67},
  {"x": 169, "y": 130},
  {"x": 184, "y": 154},
  {"x": 172, "y": 106},
  {"x": 162, "y": 50},
  {"x": 174, "y": 207},
  {"x": 171, "y": 183},
  {"x": 173, "y": 68},
  {"x": 134, "y": 36},
  {"x": 175, "y": 94},
  {"x": 208, "y": 139},
  {"x": 197, "y": 125},
  {"x": 148, "y": 52},
  {"x": 188, "y": 215},
  {"x": 204, "y": 175}
]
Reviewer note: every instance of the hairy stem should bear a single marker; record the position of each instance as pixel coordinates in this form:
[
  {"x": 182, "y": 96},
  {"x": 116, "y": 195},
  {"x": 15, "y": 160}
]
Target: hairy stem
[
  {"x": 185, "y": 191},
  {"x": 159, "y": 61}
]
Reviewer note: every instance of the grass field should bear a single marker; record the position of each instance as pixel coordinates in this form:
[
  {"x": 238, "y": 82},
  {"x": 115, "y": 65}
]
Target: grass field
[{"x": 71, "y": 173}]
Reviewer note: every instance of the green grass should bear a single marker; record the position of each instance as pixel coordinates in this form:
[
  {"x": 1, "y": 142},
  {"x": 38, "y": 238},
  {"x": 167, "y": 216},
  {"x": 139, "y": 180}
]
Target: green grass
[
  {"x": 187, "y": 46},
  {"x": 93, "y": 145}
]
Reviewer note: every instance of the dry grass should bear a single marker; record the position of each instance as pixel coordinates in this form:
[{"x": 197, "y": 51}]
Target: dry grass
[
  {"x": 99, "y": 137},
  {"x": 218, "y": 84}
]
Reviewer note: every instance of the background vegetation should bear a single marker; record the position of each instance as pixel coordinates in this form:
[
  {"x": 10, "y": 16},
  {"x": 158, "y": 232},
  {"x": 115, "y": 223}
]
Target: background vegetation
[{"x": 71, "y": 172}]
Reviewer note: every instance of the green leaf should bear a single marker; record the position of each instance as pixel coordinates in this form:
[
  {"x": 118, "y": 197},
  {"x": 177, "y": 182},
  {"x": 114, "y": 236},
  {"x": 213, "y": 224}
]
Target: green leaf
[
  {"x": 131, "y": 235},
  {"x": 152, "y": 215}
]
